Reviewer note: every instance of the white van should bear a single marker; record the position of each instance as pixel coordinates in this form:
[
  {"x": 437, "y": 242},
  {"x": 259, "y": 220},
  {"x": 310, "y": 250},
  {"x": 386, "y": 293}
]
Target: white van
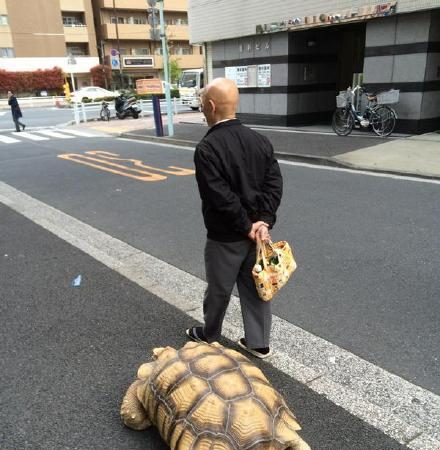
[{"x": 190, "y": 83}]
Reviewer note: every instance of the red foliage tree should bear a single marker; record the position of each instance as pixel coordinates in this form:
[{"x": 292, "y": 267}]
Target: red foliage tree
[
  {"x": 49, "y": 79},
  {"x": 101, "y": 75}
]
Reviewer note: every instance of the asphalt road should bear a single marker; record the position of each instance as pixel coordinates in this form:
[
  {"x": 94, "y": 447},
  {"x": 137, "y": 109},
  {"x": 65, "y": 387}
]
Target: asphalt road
[
  {"x": 37, "y": 117},
  {"x": 366, "y": 249},
  {"x": 69, "y": 354},
  {"x": 51, "y": 116}
]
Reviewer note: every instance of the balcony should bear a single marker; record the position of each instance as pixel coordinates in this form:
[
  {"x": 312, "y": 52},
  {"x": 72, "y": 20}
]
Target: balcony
[
  {"x": 142, "y": 32},
  {"x": 185, "y": 61},
  {"x": 126, "y": 31},
  {"x": 72, "y": 5},
  {"x": 6, "y": 37},
  {"x": 169, "y": 5},
  {"x": 78, "y": 33},
  {"x": 177, "y": 32}
]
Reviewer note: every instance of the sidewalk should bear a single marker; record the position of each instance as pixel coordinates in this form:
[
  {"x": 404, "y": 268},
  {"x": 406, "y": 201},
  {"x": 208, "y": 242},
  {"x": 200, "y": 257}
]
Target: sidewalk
[
  {"x": 399, "y": 154},
  {"x": 69, "y": 353}
]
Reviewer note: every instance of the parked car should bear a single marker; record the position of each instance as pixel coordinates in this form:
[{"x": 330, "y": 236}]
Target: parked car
[{"x": 92, "y": 93}]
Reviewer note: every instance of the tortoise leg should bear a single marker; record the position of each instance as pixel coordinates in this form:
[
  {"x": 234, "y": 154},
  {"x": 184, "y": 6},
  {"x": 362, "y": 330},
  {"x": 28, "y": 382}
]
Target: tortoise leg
[
  {"x": 298, "y": 444},
  {"x": 132, "y": 412}
]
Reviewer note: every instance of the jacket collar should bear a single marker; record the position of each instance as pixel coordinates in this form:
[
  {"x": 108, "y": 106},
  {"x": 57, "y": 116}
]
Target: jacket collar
[{"x": 227, "y": 123}]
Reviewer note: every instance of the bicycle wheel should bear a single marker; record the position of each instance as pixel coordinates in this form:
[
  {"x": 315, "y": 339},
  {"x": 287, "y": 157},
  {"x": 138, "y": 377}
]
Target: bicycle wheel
[
  {"x": 342, "y": 122},
  {"x": 383, "y": 120}
]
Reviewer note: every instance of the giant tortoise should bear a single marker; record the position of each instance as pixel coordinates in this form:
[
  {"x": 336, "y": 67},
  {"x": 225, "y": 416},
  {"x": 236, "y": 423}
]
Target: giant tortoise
[{"x": 208, "y": 397}]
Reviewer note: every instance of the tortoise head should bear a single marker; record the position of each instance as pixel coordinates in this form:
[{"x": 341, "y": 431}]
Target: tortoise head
[
  {"x": 145, "y": 370},
  {"x": 164, "y": 353}
]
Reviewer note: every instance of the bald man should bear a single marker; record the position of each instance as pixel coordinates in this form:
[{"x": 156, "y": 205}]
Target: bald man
[{"x": 240, "y": 186}]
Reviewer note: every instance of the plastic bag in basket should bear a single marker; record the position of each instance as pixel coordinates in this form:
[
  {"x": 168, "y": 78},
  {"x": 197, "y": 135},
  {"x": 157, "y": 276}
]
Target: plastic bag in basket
[{"x": 273, "y": 267}]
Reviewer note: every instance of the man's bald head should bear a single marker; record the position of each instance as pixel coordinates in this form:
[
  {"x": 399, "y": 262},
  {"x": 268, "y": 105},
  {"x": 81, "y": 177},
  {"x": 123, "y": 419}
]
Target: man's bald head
[{"x": 220, "y": 100}]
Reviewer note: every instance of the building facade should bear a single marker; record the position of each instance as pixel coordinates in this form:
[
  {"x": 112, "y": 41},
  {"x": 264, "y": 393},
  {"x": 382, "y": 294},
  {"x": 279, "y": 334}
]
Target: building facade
[
  {"x": 123, "y": 28},
  {"x": 290, "y": 58},
  {"x": 41, "y": 34}
]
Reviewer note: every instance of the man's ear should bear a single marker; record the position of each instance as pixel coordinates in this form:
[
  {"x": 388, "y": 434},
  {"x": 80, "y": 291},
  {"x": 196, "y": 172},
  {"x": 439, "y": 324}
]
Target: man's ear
[{"x": 212, "y": 105}]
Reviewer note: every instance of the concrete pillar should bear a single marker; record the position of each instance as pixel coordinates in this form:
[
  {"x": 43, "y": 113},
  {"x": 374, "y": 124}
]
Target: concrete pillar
[{"x": 401, "y": 53}]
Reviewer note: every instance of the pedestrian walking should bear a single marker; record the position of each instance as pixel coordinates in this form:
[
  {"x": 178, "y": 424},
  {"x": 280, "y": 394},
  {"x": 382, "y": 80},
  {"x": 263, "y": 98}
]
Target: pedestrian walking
[
  {"x": 240, "y": 186},
  {"x": 16, "y": 111}
]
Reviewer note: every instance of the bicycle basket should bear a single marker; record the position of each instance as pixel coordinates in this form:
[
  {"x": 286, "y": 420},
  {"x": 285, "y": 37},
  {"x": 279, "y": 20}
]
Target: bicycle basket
[
  {"x": 341, "y": 101},
  {"x": 343, "y": 98},
  {"x": 388, "y": 97}
]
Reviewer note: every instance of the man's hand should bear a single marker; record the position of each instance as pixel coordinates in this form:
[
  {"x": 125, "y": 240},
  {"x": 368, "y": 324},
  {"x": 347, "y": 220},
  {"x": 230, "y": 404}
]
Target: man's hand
[
  {"x": 256, "y": 227},
  {"x": 263, "y": 234}
]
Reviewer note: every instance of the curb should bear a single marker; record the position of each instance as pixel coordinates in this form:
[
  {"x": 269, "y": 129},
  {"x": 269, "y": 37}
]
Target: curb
[{"x": 310, "y": 159}]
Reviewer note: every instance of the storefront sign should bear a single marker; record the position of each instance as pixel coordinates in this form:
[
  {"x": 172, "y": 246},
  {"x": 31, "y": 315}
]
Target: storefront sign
[
  {"x": 149, "y": 86},
  {"x": 250, "y": 76},
  {"x": 264, "y": 75},
  {"x": 323, "y": 19},
  {"x": 137, "y": 61}
]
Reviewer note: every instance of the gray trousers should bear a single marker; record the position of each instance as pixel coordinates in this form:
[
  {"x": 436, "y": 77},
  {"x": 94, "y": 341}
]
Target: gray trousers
[{"x": 227, "y": 263}]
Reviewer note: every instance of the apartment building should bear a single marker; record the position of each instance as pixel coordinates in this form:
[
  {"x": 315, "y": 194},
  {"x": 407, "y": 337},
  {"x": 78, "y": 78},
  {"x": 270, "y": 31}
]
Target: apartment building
[
  {"x": 290, "y": 58},
  {"x": 41, "y": 34},
  {"x": 122, "y": 28}
]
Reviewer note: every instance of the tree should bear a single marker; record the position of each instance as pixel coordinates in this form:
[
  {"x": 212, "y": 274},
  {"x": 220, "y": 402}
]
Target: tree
[
  {"x": 29, "y": 82},
  {"x": 175, "y": 70},
  {"x": 101, "y": 75}
]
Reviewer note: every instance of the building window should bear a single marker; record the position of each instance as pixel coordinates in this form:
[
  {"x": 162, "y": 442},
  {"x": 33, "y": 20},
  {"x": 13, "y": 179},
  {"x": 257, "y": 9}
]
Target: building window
[
  {"x": 140, "y": 51},
  {"x": 78, "y": 50},
  {"x": 3, "y": 20},
  {"x": 179, "y": 50},
  {"x": 117, "y": 20},
  {"x": 74, "y": 20},
  {"x": 7, "y": 52},
  {"x": 136, "y": 20}
]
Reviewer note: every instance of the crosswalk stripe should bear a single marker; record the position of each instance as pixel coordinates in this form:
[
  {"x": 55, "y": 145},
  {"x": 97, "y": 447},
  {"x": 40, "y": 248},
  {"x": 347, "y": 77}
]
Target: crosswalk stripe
[
  {"x": 54, "y": 134},
  {"x": 8, "y": 140},
  {"x": 32, "y": 137},
  {"x": 77, "y": 132}
]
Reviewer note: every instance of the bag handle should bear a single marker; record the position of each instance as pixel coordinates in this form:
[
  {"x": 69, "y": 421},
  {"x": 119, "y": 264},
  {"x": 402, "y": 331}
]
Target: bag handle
[{"x": 261, "y": 254}]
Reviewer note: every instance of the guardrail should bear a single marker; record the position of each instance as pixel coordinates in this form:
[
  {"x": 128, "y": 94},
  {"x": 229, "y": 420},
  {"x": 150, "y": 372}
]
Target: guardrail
[
  {"x": 84, "y": 112},
  {"x": 31, "y": 102}
]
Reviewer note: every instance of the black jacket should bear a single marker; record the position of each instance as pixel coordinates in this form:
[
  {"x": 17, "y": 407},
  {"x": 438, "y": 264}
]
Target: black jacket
[
  {"x": 239, "y": 180},
  {"x": 15, "y": 108}
]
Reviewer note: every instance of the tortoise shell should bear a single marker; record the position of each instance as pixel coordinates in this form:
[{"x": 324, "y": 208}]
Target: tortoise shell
[{"x": 208, "y": 397}]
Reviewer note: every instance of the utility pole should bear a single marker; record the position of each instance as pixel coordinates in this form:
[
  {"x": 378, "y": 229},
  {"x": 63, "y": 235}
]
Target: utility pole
[
  {"x": 155, "y": 35},
  {"x": 166, "y": 70},
  {"x": 118, "y": 45}
]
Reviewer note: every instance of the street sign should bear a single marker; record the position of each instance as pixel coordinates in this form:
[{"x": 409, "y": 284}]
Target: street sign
[
  {"x": 149, "y": 86},
  {"x": 115, "y": 63},
  {"x": 114, "y": 52}
]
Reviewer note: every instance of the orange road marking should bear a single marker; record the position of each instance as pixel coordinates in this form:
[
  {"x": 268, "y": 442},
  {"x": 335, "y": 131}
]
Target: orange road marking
[
  {"x": 82, "y": 159},
  {"x": 104, "y": 159},
  {"x": 179, "y": 171}
]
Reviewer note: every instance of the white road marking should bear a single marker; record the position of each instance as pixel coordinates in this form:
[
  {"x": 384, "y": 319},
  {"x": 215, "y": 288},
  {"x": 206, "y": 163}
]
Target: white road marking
[
  {"x": 55, "y": 134},
  {"x": 309, "y": 165},
  {"x": 400, "y": 409},
  {"x": 77, "y": 132},
  {"x": 360, "y": 172},
  {"x": 8, "y": 140},
  {"x": 32, "y": 137},
  {"x": 2, "y": 113}
]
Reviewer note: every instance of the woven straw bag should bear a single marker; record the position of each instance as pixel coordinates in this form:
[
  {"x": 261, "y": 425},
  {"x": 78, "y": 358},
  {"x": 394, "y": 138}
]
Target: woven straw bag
[{"x": 273, "y": 267}]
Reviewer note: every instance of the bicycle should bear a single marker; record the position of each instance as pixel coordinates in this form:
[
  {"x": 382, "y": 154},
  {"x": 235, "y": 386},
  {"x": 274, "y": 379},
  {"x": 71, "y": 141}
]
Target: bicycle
[
  {"x": 105, "y": 112},
  {"x": 377, "y": 114}
]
